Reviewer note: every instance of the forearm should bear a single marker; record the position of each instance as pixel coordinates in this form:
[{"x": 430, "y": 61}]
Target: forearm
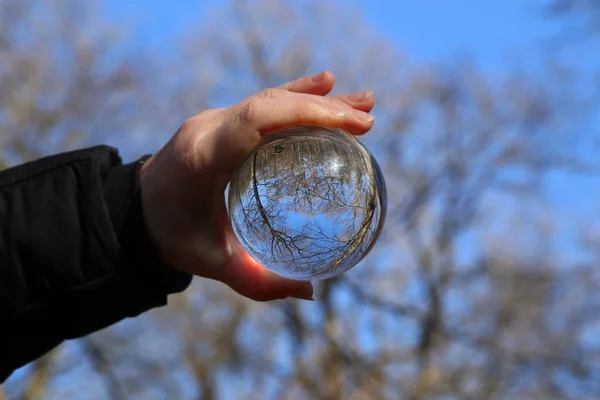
[{"x": 74, "y": 252}]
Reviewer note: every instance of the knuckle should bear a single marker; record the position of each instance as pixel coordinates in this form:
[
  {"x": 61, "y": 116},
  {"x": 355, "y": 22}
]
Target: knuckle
[
  {"x": 188, "y": 125},
  {"x": 248, "y": 112},
  {"x": 336, "y": 101},
  {"x": 272, "y": 93},
  {"x": 293, "y": 85}
]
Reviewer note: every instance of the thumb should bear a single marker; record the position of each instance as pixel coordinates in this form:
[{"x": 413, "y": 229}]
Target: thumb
[{"x": 250, "y": 279}]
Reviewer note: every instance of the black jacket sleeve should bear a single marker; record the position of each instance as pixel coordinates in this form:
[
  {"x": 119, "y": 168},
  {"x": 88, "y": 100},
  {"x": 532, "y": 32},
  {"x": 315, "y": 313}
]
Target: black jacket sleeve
[{"x": 75, "y": 256}]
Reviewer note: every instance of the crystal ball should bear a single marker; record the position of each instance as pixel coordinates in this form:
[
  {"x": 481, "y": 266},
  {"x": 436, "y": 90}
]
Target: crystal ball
[{"x": 308, "y": 203}]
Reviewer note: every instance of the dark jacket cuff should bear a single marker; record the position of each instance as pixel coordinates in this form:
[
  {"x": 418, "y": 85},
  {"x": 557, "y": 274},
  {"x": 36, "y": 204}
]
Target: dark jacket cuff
[{"x": 123, "y": 195}]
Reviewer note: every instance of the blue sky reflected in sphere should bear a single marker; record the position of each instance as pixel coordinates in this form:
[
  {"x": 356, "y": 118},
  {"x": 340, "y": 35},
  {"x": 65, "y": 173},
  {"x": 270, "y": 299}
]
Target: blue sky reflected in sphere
[{"x": 308, "y": 203}]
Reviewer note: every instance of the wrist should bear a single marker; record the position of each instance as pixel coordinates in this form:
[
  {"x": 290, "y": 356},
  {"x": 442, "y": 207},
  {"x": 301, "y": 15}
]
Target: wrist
[{"x": 137, "y": 248}]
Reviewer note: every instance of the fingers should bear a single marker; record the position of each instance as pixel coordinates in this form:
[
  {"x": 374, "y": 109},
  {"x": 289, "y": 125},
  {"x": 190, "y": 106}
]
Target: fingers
[
  {"x": 265, "y": 115},
  {"x": 299, "y": 102},
  {"x": 363, "y": 101},
  {"x": 252, "y": 280},
  {"x": 319, "y": 84},
  {"x": 322, "y": 83},
  {"x": 268, "y": 115},
  {"x": 269, "y": 112}
]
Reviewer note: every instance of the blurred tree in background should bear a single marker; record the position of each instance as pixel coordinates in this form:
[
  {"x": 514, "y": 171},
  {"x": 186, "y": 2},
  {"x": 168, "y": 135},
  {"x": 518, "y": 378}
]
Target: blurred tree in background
[{"x": 466, "y": 296}]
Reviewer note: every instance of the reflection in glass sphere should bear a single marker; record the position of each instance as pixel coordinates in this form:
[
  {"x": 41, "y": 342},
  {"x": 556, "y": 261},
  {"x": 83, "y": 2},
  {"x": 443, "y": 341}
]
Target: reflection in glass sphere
[{"x": 308, "y": 203}]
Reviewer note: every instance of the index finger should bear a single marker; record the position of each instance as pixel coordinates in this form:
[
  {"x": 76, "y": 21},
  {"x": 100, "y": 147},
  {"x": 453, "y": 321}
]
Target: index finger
[
  {"x": 318, "y": 84},
  {"x": 263, "y": 116}
]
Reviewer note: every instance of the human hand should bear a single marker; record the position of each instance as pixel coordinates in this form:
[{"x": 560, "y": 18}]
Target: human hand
[{"x": 183, "y": 185}]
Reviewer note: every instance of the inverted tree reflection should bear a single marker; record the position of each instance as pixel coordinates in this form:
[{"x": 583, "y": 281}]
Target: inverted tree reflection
[{"x": 308, "y": 205}]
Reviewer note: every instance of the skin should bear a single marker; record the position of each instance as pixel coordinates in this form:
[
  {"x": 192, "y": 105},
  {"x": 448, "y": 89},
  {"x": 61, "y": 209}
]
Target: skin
[{"x": 183, "y": 184}]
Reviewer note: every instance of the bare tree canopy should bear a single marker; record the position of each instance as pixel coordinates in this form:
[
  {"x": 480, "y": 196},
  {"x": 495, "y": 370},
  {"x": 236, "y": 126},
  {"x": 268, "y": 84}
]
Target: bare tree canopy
[{"x": 465, "y": 296}]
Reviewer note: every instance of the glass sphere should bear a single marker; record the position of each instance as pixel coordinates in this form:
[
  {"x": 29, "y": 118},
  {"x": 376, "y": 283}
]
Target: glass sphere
[{"x": 308, "y": 203}]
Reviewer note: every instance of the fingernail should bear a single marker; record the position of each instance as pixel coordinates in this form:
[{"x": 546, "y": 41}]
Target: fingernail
[
  {"x": 361, "y": 96},
  {"x": 318, "y": 77},
  {"x": 363, "y": 116}
]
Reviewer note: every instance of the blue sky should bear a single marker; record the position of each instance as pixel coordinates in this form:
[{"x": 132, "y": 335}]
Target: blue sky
[
  {"x": 430, "y": 30},
  {"x": 495, "y": 34},
  {"x": 435, "y": 30}
]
